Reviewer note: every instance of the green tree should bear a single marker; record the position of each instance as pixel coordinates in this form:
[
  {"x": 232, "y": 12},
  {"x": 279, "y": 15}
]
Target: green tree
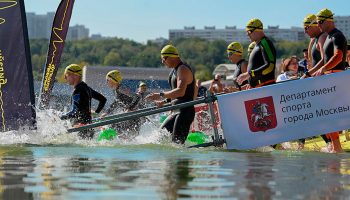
[
  {"x": 200, "y": 54},
  {"x": 113, "y": 58}
]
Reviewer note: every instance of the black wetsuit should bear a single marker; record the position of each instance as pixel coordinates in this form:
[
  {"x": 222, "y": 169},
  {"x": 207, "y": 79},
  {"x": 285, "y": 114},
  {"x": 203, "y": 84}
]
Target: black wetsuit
[
  {"x": 262, "y": 62},
  {"x": 238, "y": 72},
  {"x": 335, "y": 40},
  {"x": 81, "y": 106},
  {"x": 315, "y": 53},
  {"x": 130, "y": 103},
  {"x": 316, "y": 57},
  {"x": 180, "y": 122}
]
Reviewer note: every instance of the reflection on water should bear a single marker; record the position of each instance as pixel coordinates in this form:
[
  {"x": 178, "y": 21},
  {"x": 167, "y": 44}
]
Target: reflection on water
[
  {"x": 167, "y": 172},
  {"x": 15, "y": 164},
  {"x": 260, "y": 176}
]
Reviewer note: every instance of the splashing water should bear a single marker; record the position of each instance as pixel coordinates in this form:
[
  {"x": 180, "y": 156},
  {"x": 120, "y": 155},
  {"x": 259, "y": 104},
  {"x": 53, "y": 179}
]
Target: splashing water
[{"x": 51, "y": 130}]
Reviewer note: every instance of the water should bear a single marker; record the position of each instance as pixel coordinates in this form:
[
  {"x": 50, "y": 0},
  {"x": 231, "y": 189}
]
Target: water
[
  {"x": 169, "y": 172},
  {"x": 51, "y": 164}
]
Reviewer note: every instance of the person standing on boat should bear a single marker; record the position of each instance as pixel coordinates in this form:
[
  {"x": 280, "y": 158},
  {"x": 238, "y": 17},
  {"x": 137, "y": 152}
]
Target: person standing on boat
[
  {"x": 183, "y": 86},
  {"x": 334, "y": 59},
  {"x": 122, "y": 100},
  {"x": 81, "y": 100},
  {"x": 262, "y": 60}
]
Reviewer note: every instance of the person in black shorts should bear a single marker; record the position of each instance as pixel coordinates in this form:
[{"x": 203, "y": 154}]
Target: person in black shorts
[
  {"x": 262, "y": 60},
  {"x": 80, "y": 113},
  {"x": 182, "y": 82}
]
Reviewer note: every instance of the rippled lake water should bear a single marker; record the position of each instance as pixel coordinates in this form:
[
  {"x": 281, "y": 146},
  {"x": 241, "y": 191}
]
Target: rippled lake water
[
  {"x": 156, "y": 171},
  {"x": 48, "y": 163}
]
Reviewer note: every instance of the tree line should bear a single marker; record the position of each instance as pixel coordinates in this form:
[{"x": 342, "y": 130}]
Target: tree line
[{"x": 201, "y": 54}]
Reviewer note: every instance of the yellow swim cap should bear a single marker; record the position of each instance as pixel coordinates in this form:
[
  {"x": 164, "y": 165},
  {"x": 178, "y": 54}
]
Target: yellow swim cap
[
  {"x": 115, "y": 76},
  {"x": 169, "y": 50},
  {"x": 325, "y": 14},
  {"x": 251, "y": 47},
  {"x": 310, "y": 20},
  {"x": 74, "y": 69},
  {"x": 142, "y": 84},
  {"x": 254, "y": 24},
  {"x": 235, "y": 48}
]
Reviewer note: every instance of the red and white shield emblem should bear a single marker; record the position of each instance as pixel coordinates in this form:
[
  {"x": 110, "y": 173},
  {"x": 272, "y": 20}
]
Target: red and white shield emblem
[{"x": 261, "y": 114}]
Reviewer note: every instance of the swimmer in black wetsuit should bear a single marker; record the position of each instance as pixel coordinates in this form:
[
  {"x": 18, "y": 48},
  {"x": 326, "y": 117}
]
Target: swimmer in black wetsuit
[
  {"x": 317, "y": 38},
  {"x": 129, "y": 103},
  {"x": 142, "y": 91},
  {"x": 234, "y": 53},
  {"x": 262, "y": 60},
  {"x": 334, "y": 59},
  {"x": 182, "y": 82},
  {"x": 334, "y": 47},
  {"x": 81, "y": 100}
]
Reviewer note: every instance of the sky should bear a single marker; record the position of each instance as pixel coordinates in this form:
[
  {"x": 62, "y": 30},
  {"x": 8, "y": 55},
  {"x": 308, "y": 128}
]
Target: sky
[{"x": 141, "y": 20}]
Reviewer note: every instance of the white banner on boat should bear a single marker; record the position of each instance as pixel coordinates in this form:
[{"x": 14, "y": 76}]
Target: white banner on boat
[{"x": 286, "y": 111}]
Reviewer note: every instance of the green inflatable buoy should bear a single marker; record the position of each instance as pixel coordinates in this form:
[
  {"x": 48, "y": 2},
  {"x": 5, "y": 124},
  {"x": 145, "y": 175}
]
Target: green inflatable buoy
[
  {"x": 197, "y": 137},
  {"x": 162, "y": 118},
  {"x": 107, "y": 134}
]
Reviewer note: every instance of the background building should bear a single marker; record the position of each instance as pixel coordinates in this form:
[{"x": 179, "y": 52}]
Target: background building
[
  {"x": 39, "y": 27},
  {"x": 343, "y": 24},
  {"x": 77, "y": 32},
  {"x": 231, "y": 33}
]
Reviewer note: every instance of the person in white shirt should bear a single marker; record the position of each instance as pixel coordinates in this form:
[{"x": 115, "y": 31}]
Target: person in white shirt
[{"x": 290, "y": 69}]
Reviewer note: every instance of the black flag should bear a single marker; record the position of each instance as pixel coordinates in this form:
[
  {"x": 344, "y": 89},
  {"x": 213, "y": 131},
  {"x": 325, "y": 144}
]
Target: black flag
[
  {"x": 58, "y": 35},
  {"x": 17, "y": 98}
]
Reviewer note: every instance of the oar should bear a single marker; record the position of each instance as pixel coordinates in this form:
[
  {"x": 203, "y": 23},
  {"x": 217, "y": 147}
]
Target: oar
[
  {"x": 141, "y": 113},
  {"x": 127, "y": 113}
]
